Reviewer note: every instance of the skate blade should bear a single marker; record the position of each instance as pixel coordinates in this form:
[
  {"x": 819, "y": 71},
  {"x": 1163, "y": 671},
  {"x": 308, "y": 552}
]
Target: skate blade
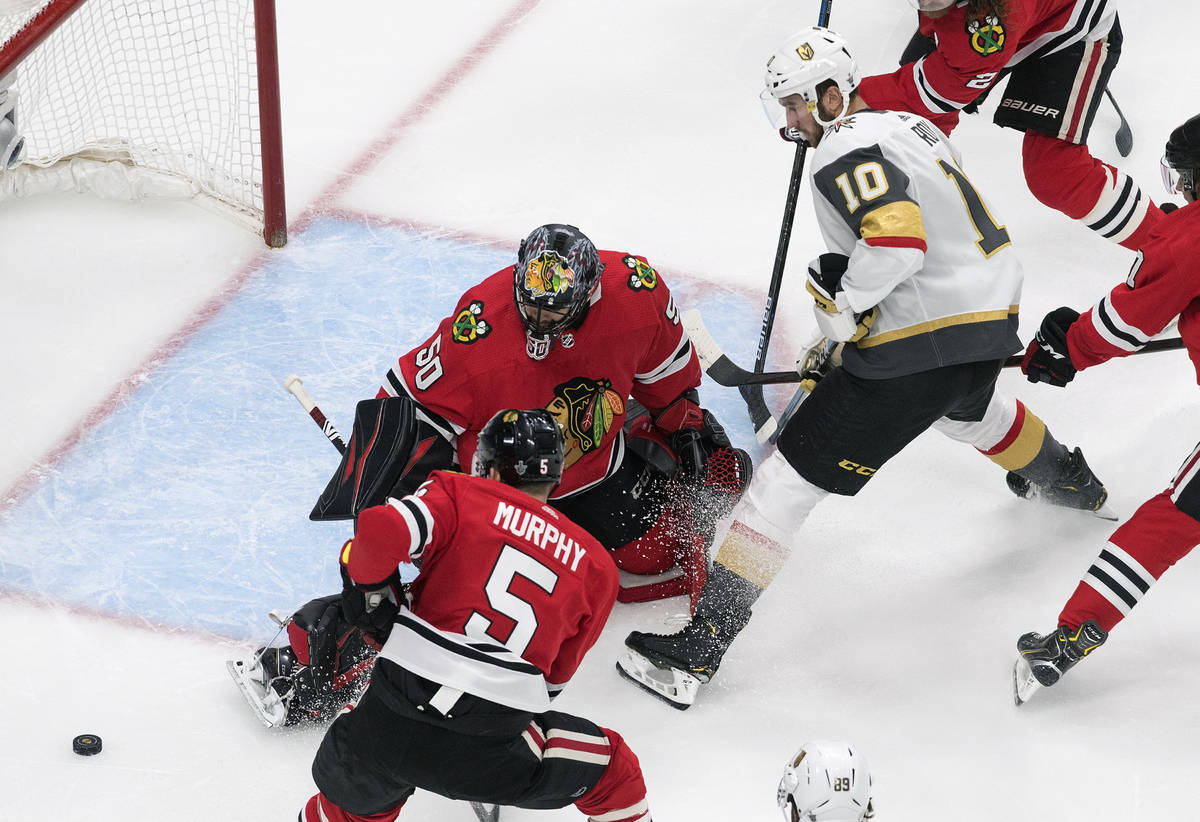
[
  {"x": 262, "y": 699},
  {"x": 1105, "y": 511},
  {"x": 675, "y": 687},
  {"x": 485, "y": 812},
  {"x": 1025, "y": 684}
]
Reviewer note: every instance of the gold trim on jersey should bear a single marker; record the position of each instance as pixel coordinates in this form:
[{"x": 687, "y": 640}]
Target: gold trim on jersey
[
  {"x": 902, "y": 219},
  {"x": 933, "y": 325}
]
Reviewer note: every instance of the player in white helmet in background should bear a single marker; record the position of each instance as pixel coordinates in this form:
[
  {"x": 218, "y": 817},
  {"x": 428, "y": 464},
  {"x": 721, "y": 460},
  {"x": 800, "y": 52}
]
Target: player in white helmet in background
[
  {"x": 826, "y": 782},
  {"x": 922, "y": 286}
]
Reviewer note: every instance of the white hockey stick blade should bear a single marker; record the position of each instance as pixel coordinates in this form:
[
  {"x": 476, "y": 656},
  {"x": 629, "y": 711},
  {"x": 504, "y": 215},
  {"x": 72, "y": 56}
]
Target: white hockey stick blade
[
  {"x": 262, "y": 699},
  {"x": 706, "y": 347},
  {"x": 675, "y": 687},
  {"x": 485, "y": 812},
  {"x": 768, "y": 432},
  {"x": 1025, "y": 684}
]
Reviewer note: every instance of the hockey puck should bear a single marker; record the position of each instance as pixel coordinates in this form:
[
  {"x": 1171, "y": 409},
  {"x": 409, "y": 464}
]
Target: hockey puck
[{"x": 87, "y": 745}]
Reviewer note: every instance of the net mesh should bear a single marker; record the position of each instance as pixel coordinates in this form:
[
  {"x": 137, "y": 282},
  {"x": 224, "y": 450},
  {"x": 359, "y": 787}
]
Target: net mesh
[{"x": 166, "y": 85}]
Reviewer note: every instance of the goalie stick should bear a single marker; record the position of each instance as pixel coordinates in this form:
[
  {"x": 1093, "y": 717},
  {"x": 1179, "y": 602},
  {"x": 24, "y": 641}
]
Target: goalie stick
[
  {"x": 765, "y": 425},
  {"x": 725, "y": 371},
  {"x": 295, "y": 387}
]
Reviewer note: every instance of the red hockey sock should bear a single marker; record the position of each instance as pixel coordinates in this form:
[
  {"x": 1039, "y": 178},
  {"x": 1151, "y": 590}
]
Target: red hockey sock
[
  {"x": 1137, "y": 555},
  {"x": 620, "y": 795},
  {"x": 320, "y": 809},
  {"x": 1066, "y": 177}
]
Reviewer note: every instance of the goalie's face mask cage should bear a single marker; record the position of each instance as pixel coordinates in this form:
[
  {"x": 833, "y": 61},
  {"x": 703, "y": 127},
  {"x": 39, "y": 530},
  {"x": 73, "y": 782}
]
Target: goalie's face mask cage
[
  {"x": 523, "y": 446},
  {"x": 1181, "y": 159},
  {"x": 826, "y": 782},
  {"x": 557, "y": 272}
]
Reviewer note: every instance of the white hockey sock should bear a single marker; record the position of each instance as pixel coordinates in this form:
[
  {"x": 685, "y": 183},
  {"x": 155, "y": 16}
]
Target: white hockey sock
[{"x": 766, "y": 521}]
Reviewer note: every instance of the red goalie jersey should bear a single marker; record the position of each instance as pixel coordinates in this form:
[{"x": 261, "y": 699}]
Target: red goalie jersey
[
  {"x": 971, "y": 54},
  {"x": 1161, "y": 285},
  {"x": 630, "y": 343},
  {"x": 511, "y": 593}
]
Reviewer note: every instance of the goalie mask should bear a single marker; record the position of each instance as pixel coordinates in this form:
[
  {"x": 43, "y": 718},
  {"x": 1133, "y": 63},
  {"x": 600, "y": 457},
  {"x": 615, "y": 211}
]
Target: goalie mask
[
  {"x": 1181, "y": 158},
  {"x": 557, "y": 273},
  {"x": 826, "y": 782},
  {"x": 524, "y": 446},
  {"x": 805, "y": 61}
]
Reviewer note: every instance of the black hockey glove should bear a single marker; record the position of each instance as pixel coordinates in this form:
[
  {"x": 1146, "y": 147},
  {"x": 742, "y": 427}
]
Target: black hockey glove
[
  {"x": 834, "y": 316},
  {"x": 1047, "y": 359},
  {"x": 693, "y": 446},
  {"x": 372, "y": 608}
]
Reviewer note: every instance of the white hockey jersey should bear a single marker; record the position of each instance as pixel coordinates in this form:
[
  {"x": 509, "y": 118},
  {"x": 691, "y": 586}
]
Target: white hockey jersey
[{"x": 924, "y": 247}]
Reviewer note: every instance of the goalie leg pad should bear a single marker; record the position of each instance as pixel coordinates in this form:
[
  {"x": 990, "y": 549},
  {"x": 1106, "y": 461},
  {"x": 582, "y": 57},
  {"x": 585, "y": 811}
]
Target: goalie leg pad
[{"x": 324, "y": 667}]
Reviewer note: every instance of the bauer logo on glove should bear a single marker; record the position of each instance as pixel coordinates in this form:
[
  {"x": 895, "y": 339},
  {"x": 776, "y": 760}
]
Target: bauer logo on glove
[{"x": 836, "y": 319}]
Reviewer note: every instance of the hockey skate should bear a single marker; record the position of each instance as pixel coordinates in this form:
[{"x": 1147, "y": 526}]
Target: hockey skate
[
  {"x": 1074, "y": 487},
  {"x": 266, "y": 691},
  {"x": 1044, "y": 659},
  {"x": 280, "y": 685},
  {"x": 672, "y": 667}
]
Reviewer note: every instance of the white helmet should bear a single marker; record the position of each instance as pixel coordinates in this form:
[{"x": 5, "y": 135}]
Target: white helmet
[
  {"x": 826, "y": 782},
  {"x": 807, "y": 59}
]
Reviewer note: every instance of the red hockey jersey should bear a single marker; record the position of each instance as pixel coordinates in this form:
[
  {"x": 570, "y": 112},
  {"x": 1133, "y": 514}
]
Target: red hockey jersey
[
  {"x": 630, "y": 344},
  {"x": 1161, "y": 285},
  {"x": 511, "y": 593},
  {"x": 972, "y": 53}
]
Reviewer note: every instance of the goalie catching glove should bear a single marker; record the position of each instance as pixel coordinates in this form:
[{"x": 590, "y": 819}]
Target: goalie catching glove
[
  {"x": 836, "y": 319},
  {"x": 1047, "y": 359}
]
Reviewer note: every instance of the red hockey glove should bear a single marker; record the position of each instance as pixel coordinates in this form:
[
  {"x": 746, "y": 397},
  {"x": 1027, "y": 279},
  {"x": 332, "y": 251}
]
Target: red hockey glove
[
  {"x": 370, "y": 607},
  {"x": 692, "y": 432},
  {"x": 1047, "y": 359}
]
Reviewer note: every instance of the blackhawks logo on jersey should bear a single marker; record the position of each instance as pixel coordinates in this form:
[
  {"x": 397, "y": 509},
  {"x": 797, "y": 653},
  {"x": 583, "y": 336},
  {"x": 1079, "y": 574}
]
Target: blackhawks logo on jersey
[
  {"x": 987, "y": 35},
  {"x": 642, "y": 275},
  {"x": 469, "y": 324},
  {"x": 586, "y": 410}
]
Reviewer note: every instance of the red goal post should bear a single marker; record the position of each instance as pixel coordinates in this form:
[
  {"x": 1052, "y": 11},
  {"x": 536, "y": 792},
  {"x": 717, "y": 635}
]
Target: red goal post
[{"x": 135, "y": 98}]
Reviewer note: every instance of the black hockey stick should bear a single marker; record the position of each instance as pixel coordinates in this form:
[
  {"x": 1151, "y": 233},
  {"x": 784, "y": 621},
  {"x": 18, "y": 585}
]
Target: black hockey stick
[
  {"x": 764, "y": 423},
  {"x": 296, "y": 388},
  {"x": 725, "y": 371},
  {"x": 1124, "y": 136}
]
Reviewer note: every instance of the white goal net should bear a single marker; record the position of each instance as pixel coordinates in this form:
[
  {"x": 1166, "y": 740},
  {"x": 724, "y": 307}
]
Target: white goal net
[{"x": 164, "y": 95}]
